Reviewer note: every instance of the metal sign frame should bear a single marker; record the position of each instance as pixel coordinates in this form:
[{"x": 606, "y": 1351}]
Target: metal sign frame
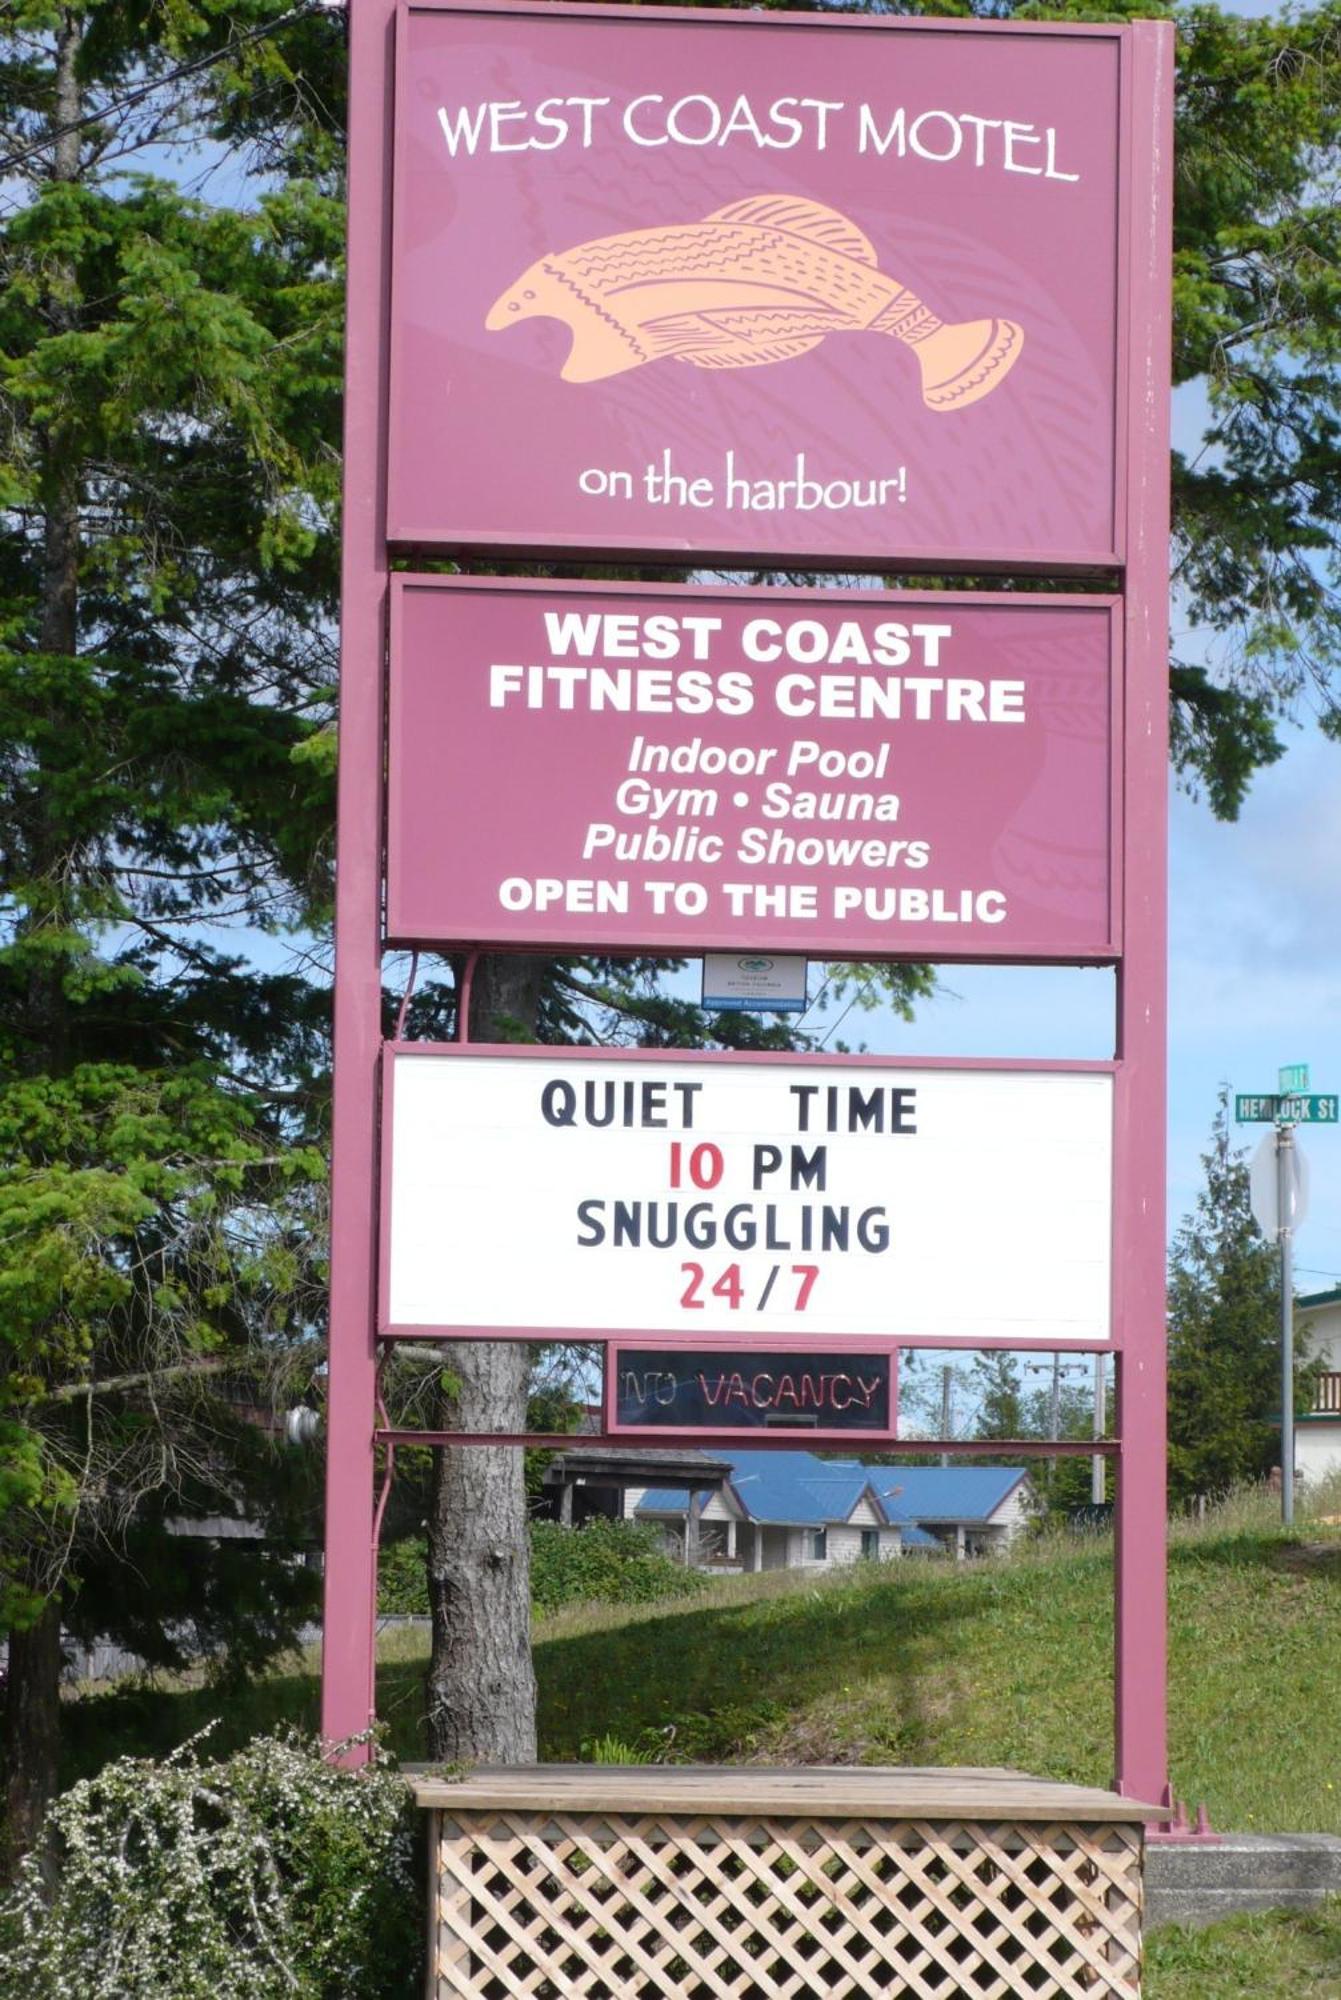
[{"x": 1140, "y": 546}]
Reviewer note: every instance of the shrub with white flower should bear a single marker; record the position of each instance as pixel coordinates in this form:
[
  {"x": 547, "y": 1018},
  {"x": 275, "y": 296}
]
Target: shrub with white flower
[{"x": 265, "y": 1874}]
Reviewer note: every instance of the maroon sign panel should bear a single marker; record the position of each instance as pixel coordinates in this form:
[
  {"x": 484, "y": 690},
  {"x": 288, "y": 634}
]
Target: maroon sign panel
[
  {"x": 785, "y": 287},
  {"x": 880, "y": 773}
]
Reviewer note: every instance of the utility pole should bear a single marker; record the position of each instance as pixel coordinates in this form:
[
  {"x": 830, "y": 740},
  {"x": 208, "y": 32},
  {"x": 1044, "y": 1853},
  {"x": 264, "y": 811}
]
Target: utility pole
[
  {"x": 947, "y": 1381},
  {"x": 1055, "y": 1410}
]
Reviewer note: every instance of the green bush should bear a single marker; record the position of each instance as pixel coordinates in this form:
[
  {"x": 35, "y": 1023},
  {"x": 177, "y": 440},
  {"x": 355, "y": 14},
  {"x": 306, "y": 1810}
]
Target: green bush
[
  {"x": 617, "y": 1562},
  {"x": 402, "y": 1578},
  {"x": 270, "y": 1872},
  {"x": 614, "y": 1562}
]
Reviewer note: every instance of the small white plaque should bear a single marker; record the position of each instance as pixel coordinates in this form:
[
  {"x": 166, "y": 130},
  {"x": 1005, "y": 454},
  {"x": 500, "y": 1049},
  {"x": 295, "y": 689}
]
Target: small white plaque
[{"x": 754, "y": 980}]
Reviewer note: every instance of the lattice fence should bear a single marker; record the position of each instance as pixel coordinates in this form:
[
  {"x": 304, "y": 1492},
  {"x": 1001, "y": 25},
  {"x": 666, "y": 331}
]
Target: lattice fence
[{"x": 602, "y": 1906}]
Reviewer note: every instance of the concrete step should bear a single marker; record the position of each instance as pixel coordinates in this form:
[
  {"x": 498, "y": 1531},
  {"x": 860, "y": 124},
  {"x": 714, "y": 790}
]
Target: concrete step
[{"x": 1245, "y": 1872}]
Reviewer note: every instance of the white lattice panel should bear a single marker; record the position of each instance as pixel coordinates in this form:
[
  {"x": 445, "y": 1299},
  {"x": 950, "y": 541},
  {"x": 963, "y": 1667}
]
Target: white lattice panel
[{"x": 655, "y": 1906}]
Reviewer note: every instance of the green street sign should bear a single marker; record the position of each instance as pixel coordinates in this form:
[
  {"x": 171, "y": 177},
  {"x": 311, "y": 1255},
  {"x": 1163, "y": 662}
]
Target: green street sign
[
  {"x": 1293, "y": 1079},
  {"x": 1284, "y": 1109},
  {"x": 1313, "y": 1110}
]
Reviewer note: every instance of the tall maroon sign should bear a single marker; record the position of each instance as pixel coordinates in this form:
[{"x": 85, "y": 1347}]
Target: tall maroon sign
[
  {"x": 750, "y": 290},
  {"x": 844, "y": 776},
  {"x": 841, "y": 292}
]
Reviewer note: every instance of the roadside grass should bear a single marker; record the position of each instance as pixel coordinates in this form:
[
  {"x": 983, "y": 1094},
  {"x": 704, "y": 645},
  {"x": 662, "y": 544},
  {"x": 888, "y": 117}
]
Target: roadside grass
[
  {"x": 1007, "y": 1662},
  {"x": 1282, "y": 1955}
]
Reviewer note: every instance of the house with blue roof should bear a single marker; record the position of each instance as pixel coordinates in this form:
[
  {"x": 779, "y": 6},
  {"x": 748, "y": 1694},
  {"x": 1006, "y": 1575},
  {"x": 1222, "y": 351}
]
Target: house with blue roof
[
  {"x": 794, "y": 1510},
  {"x": 968, "y": 1510}
]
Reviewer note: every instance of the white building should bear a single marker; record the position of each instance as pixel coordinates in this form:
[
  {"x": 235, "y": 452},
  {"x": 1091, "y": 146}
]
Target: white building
[{"x": 1317, "y": 1436}]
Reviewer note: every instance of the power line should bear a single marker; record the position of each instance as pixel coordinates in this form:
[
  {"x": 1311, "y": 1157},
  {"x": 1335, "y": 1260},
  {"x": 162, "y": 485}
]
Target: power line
[{"x": 135, "y": 97}]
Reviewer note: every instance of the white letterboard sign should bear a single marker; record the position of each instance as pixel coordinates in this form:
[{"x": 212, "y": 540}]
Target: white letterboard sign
[{"x": 537, "y": 1192}]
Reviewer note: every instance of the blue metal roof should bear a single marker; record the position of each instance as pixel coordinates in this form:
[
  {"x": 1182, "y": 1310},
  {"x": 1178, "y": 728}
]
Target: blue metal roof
[
  {"x": 793, "y": 1487},
  {"x": 665, "y": 1500},
  {"x": 944, "y": 1492},
  {"x": 797, "y": 1487},
  {"x": 802, "y": 1490}
]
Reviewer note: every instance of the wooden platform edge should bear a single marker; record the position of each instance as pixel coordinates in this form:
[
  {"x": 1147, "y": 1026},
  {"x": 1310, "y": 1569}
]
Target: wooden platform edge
[{"x": 890, "y": 1792}]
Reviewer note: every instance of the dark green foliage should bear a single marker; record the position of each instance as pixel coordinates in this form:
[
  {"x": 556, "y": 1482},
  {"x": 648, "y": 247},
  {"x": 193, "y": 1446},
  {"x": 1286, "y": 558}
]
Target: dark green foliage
[
  {"x": 270, "y": 1872},
  {"x": 1224, "y": 1334},
  {"x": 402, "y": 1579},
  {"x": 614, "y": 1562},
  {"x": 168, "y": 481},
  {"x": 608, "y": 1562}
]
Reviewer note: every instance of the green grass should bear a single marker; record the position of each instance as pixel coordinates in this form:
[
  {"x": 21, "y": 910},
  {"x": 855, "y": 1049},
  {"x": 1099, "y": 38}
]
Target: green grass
[
  {"x": 1006, "y": 1663},
  {"x": 1285, "y": 1955}
]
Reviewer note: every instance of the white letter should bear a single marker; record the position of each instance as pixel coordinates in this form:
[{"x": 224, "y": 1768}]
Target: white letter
[
  {"x": 931, "y": 636},
  {"x": 462, "y": 132},
  {"x": 983, "y": 125},
  {"x": 1019, "y": 135},
  {"x": 700, "y": 628},
  {"x": 752, "y": 640},
  {"x": 545, "y": 116},
  {"x": 512, "y": 112},
  {"x": 503, "y": 681},
  {"x": 587, "y": 105},
  {"x": 867, "y": 131},
  {"x": 572, "y": 630},
  {"x": 914, "y": 138},
  {"x": 794, "y": 695},
  {"x": 823, "y": 107},
  {"x": 1005, "y": 701},
  {"x": 628, "y": 121}
]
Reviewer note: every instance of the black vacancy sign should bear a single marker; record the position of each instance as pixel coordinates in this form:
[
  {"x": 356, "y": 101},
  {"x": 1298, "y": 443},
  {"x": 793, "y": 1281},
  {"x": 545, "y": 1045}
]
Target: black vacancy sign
[{"x": 736, "y": 1389}]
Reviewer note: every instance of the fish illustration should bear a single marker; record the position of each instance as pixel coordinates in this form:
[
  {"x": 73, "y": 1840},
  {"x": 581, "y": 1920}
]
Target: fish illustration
[{"x": 761, "y": 280}]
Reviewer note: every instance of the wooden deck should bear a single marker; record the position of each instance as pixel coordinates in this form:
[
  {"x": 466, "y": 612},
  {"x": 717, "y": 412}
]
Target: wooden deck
[{"x": 833, "y": 1791}]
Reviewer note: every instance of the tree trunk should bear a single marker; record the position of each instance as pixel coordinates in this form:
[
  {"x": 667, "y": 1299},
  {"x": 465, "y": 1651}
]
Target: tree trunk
[
  {"x": 481, "y": 1683},
  {"x": 32, "y": 1731}
]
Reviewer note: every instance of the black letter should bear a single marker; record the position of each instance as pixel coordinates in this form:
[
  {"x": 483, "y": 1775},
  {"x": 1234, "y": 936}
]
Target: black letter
[
  {"x": 558, "y": 1103},
  {"x": 589, "y": 1215},
  {"x": 803, "y": 1091}
]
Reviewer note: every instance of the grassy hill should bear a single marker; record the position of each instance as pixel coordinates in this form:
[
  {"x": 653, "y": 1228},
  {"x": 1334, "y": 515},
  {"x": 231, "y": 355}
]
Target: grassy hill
[
  {"x": 1006, "y": 1662},
  {"x": 986, "y": 1663}
]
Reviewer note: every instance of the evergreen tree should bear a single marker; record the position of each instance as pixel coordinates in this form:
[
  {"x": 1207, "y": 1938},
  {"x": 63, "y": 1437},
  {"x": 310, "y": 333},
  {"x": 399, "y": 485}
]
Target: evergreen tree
[
  {"x": 1224, "y": 1334},
  {"x": 168, "y": 478}
]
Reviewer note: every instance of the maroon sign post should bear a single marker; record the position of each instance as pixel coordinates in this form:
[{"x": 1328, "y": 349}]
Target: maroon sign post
[{"x": 848, "y": 293}]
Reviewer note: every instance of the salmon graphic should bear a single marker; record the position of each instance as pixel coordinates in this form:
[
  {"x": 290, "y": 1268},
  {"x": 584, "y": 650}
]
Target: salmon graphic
[{"x": 762, "y": 280}]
